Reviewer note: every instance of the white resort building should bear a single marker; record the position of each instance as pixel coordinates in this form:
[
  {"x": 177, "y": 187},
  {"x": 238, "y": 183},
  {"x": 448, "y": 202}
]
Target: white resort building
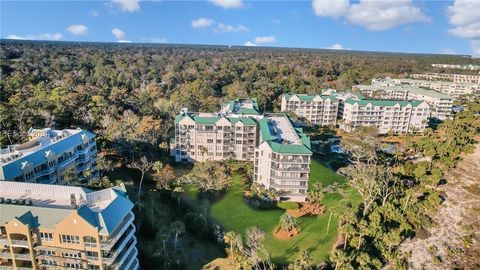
[
  {"x": 319, "y": 110},
  {"x": 452, "y": 89},
  {"x": 456, "y": 78},
  {"x": 47, "y": 155},
  {"x": 282, "y": 158},
  {"x": 395, "y": 116},
  {"x": 280, "y": 151},
  {"x": 440, "y": 104},
  {"x": 65, "y": 227}
]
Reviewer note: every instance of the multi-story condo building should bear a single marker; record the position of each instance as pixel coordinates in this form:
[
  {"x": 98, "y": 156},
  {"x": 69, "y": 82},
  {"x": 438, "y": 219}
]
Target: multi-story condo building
[
  {"x": 319, "y": 110},
  {"x": 452, "y": 89},
  {"x": 65, "y": 227},
  {"x": 387, "y": 115},
  {"x": 468, "y": 67},
  {"x": 241, "y": 107},
  {"x": 457, "y": 78},
  {"x": 282, "y": 158},
  {"x": 213, "y": 136},
  {"x": 440, "y": 104},
  {"x": 48, "y": 155}
]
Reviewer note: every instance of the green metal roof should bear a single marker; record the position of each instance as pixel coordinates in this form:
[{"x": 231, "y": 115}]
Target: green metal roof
[
  {"x": 211, "y": 120},
  {"x": 245, "y": 120},
  {"x": 383, "y": 102},
  {"x": 278, "y": 147},
  {"x": 253, "y": 111},
  {"x": 305, "y": 97}
]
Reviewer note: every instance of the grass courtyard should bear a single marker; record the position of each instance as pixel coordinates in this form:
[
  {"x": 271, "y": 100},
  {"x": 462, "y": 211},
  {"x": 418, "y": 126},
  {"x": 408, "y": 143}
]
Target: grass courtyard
[{"x": 233, "y": 214}]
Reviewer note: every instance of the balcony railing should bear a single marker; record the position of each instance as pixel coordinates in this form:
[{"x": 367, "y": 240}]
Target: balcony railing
[
  {"x": 5, "y": 254},
  {"x": 108, "y": 244},
  {"x": 22, "y": 256},
  {"x": 119, "y": 249},
  {"x": 23, "y": 243}
]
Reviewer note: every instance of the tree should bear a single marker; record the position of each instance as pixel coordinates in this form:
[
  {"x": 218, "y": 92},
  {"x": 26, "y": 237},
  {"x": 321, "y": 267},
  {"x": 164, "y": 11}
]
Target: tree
[
  {"x": 362, "y": 145},
  {"x": 177, "y": 228},
  {"x": 234, "y": 244},
  {"x": 70, "y": 177},
  {"x": 143, "y": 165},
  {"x": 209, "y": 175},
  {"x": 303, "y": 262},
  {"x": 288, "y": 223},
  {"x": 104, "y": 165},
  {"x": 363, "y": 177},
  {"x": 163, "y": 175},
  {"x": 315, "y": 194}
]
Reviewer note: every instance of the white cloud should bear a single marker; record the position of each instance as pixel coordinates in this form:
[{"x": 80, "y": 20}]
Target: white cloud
[
  {"x": 227, "y": 3},
  {"x": 16, "y": 37},
  {"x": 383, "y": 15},
  {"x": 330, "y": 8},
  {"x": 448, "y": 51},
  {"x": 232, "y": 28},
  {"x": 266, "y": 39},
  {"x": 94, "y": 13},
  {"x": 475, "y": 46},
  {"x": 158, "y": 40},
  {"x": 44, "y": 36},
  {"x": 467, "y": 31},
  {"x": 77, "y": 29},
  {"x": 250, "y": 44},
  {"x": 464, "y": 15},
  {"x": 119, "y": 34},
  {"x": 337, "y": 46},
  {"x": 202, "y": 23},
  {"x": 374, "y": 15},
  {"x": 124, "y": 41},
  {"x": 127, "y": 5}
]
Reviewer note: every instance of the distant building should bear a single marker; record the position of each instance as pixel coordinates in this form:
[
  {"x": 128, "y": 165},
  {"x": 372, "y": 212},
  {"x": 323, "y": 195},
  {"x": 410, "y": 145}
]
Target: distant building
[
  {"x": 395, "y": 116},
  {"x": 213, "y": 136},
  {"x": 319, "y": 110},
  {"x": 241, "y": 107},
  {"x": 282, "y": 158},
  {"x": 457, "y": 78},
  {"x": 452, "y": 89},
  {"x": 467, "y": 67},
  {"x": 440, "y": 104},
  {"x": 65, "y": 227},
  {"x": 47, "y": 155}
]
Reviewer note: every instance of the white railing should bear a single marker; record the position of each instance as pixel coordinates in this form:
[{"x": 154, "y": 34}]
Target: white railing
[
  {"x": 23, "y": 256},
  {"x": 5, "y": 254},
  {"x": 110, "y": 242},
  {"x": 19, "y": 242},
  {"x": 109, "y": 260}
]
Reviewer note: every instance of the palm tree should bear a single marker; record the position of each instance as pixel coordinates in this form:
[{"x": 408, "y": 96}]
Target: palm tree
[
  {"x": 315, "y": 194},
  {"x": 203, "y": 150},
  {"x": 288, "y": 222}
]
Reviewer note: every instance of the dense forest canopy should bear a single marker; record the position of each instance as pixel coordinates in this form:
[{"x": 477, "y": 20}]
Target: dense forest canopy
[{"x": 63, "y": 84}]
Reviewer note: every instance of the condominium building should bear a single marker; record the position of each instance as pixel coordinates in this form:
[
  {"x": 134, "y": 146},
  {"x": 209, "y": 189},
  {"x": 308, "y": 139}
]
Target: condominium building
[
  {"x": 319, "y": 110},
  {"x": 468, "y": 67},
  {"x": 48, "y": 155},
  {"x": 440, "y": 104},
  {"x": 282, "y": 158},
  {"x": 65, "y": 227},
  {"x": 213, "y": 136},
  {"x": 457, "y": 78},
  {"x": 452, "y": 89},
  {"x": 241, "y": 107},
  {"x": 387, "y": 115}
]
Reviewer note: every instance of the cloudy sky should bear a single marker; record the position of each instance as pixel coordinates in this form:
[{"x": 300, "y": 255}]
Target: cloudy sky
[{"x": 434, "y": 26}]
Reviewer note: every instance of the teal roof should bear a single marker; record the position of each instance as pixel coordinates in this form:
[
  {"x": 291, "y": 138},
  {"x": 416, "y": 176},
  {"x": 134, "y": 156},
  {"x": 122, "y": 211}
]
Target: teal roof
[
  {"x": 39, "y": 216},
  {"x": 406, "y": 88},
  {"x": 383, "y": 102},
  {"x": 13, "y": 169},
  {"x": 305, "y": 97},
  {"x": 274, "y": 142},
  {"x": 211, "y": 120},
  {"x": 253, "y": 111}
]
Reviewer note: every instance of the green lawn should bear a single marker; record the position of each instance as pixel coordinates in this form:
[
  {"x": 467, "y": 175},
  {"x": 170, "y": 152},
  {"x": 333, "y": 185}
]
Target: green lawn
[{"x": 233, "y": 214}]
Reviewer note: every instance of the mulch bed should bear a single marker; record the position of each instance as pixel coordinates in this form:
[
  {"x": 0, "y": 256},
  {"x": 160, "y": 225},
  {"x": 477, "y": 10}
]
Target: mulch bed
[{"x": 307, "y": 209}]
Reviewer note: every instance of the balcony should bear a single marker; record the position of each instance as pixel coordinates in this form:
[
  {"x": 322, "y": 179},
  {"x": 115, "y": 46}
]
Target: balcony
[
  {"x": 111, "y": 258},
  {"x": 3, "y": 240},
  {"x": 25, "y": 256},
  {"x": 108, "y": 244},
  {"x": 132, "y": 250},
  {"x": 290, "y": 169},
  {"x": 19, "y": 243},
  {"x": 5, "y": 255}
]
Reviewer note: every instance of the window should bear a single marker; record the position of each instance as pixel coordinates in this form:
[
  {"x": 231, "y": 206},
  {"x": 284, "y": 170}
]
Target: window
[
  {"x": 209, "y": 140},
  {"x": 73, "y": 265},
  {"x": 71, "y": 255},
  {"x": 70, "y": 239},
  {"x": 48, "y": 237}
]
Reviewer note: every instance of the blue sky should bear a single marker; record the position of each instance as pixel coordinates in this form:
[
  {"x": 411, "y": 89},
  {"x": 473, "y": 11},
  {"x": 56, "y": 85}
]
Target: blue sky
[{"x": 372, "y": 25}]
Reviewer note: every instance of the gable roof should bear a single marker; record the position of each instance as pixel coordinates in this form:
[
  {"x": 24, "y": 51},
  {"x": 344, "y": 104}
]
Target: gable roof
[{"x": 305, "y": 97}]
